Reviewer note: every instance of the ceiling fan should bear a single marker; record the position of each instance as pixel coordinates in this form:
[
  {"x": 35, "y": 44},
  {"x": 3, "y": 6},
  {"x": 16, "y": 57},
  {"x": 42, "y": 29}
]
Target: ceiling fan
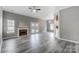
[{"x": 34, "y": 9}]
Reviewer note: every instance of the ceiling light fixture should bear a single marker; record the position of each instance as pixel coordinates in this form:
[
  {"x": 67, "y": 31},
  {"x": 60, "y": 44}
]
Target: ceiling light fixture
[{"x": 34, "y": 9}]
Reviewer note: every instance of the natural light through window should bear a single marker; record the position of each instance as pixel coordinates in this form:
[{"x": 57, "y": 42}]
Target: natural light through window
[
  {"x": 10, "y": 26},
  {"x": 51, "y": 26},
  {"x": 34, "y": 27}
]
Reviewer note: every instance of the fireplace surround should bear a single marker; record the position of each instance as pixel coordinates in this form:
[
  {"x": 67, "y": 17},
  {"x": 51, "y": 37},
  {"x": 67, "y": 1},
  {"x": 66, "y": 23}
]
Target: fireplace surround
[{"x": 22, "y": 32}]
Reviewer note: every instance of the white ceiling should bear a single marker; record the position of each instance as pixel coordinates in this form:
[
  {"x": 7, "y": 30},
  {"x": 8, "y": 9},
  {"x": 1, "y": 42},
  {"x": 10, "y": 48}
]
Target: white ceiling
[{"x": 46, "y": 12}]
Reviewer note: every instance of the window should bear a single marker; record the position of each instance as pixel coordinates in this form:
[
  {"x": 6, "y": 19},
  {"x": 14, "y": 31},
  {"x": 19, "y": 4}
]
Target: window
[
  {"x": 32, "y": 31},
  {"x": 10, "y": 26},
  {"x": 51, "y": 26},
  {"x": 34, "y": 27}
]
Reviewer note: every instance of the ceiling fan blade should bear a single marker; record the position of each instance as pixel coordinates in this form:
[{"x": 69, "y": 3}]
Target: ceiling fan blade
[
  {"x": 30, "y": 8},
  {"x": 38, "y": 9}
]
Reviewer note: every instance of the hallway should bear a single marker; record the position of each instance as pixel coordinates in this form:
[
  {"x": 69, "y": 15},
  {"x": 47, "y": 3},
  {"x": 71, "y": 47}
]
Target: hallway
[{"x": 37, "y": 43}]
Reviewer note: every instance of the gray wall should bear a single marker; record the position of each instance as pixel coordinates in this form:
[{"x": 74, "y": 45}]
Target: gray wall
[
  {"x": 69, "y": 23},
  {"x": 19, "y": 19},
  {"x": 0, "y": 29}
]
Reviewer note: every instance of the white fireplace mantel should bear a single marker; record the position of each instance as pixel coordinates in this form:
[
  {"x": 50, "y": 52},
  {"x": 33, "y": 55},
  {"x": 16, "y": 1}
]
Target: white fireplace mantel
[{"x": 20, "y": 28}]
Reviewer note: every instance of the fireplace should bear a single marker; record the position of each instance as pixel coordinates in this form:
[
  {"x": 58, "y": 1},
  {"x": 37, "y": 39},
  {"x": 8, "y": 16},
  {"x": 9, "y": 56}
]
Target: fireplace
[{"x": 23, "y": 32}]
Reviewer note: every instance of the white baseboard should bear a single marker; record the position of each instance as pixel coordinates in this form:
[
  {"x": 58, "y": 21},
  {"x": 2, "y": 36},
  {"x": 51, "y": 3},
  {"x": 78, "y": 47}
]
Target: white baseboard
[
  {"x": 9, "y": 37},
  {"x": 14, "y": 37},
  {"x": 68, "y": 40}
]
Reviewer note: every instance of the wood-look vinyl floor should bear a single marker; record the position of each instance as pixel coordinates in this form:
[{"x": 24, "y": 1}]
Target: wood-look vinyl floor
[{"x": 39, "y": 43}]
